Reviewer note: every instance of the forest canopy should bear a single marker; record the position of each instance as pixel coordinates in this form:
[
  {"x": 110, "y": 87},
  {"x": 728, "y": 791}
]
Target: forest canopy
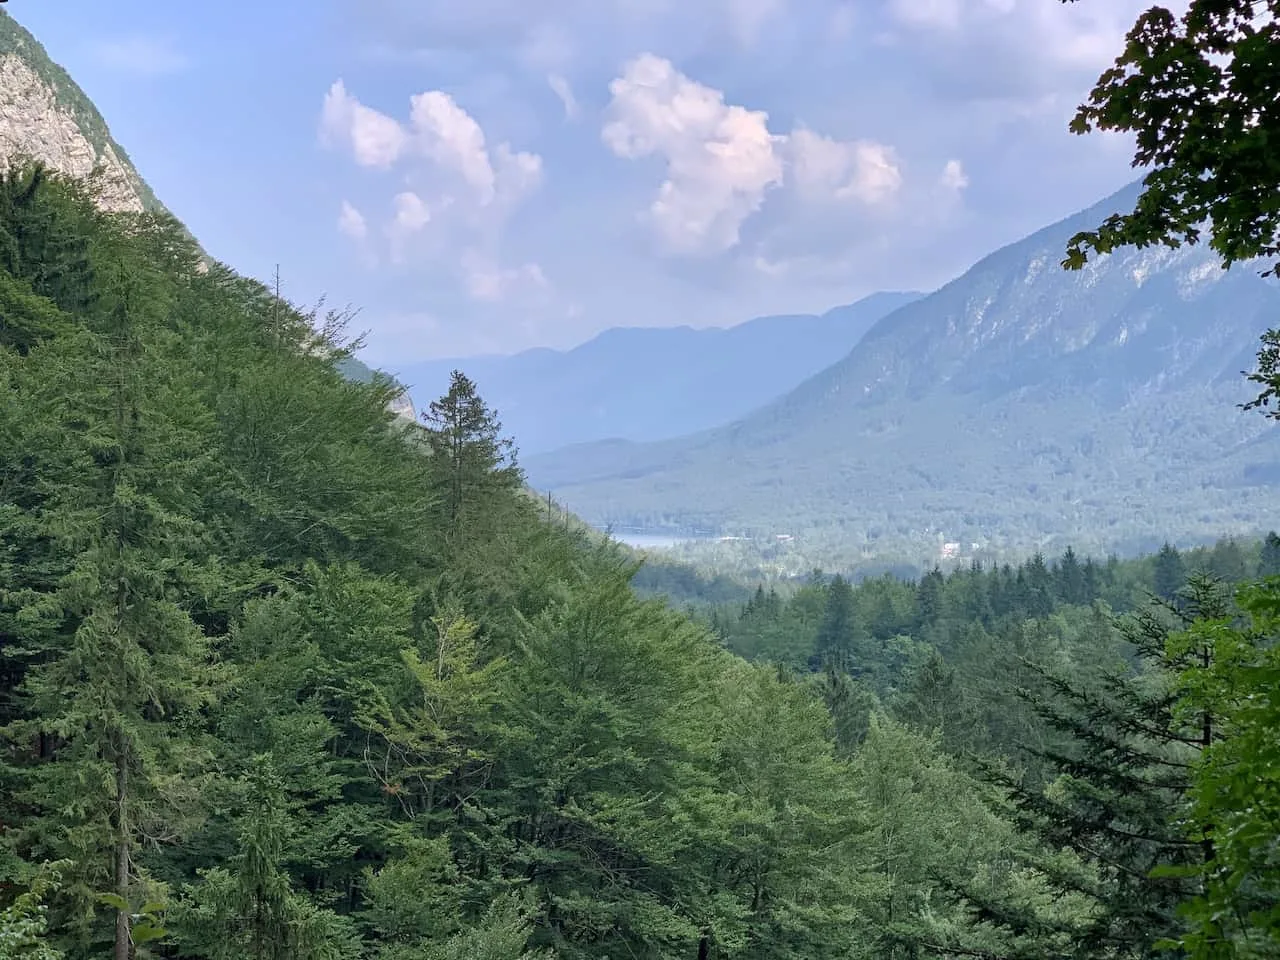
[{"x": 283, "y": 676}]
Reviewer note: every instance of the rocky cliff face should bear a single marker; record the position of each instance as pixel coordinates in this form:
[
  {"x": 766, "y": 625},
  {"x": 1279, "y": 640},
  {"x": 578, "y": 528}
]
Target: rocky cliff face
[{"x": 45, "y": 116}]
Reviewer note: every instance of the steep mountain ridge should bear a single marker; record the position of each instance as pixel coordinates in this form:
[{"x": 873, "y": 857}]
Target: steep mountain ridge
[
  {"x": 650, "y": 383},
  {"x": 1017, "y": 403},
  {"x": 46, "y": 117}
]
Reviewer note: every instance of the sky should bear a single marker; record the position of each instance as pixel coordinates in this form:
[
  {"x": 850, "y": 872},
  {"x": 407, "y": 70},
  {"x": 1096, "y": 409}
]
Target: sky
[{"x": 489, "y": 176}]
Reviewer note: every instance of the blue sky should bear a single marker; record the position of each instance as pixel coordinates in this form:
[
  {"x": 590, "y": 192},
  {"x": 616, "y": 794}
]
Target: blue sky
[{"x": 499, "y": 174}]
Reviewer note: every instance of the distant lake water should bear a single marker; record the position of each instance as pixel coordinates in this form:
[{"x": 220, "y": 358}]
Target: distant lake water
[{"x": 655, "y": 541}]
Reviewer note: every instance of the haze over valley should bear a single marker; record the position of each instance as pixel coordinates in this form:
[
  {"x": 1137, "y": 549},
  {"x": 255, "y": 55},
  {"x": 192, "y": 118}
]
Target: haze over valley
[{"x": 1020, "y": 407}]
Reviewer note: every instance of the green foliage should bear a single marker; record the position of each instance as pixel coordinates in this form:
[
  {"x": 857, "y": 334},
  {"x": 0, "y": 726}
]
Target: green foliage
[
  {"x": 1197, "y": 91},
  {"x": 24, "y": 923},
  {"x": 502, "y": 934},
  {"x": 283, "y": 677},
  {"x": 470, "y": 457},
  {"x": 1198, "y": 94},
  {"x": 327, "y": 684},
  {"x": 249, "y": 910},
  {"x": 1236, "y": 789}
]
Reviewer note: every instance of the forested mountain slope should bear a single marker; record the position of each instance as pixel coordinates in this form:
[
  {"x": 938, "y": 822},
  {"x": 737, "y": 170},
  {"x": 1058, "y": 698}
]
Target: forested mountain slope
[
  {"x": 281, "y": 677},
  {"x": 655, "y": 382},
  {"x": 285, "y": 678},
  {"x": 1016, "y": 403}
]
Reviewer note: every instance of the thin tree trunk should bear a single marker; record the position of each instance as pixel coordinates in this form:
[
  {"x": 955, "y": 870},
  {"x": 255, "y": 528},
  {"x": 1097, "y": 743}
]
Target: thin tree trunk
[
  {"x": 1206, "y": 741},
  {"x": 124, "y": 941}
]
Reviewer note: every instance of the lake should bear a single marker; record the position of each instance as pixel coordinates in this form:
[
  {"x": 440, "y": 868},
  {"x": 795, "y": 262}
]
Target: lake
[{"x": 655, "y": 541}]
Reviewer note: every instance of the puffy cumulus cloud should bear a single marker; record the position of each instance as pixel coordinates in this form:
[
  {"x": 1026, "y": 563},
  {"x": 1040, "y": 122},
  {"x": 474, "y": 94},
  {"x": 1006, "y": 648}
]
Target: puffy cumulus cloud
[
  {"x": 722, "y": 159},
  {"x": 460, "y": 184},
  {"x": 451, "y": 137},
  {"x": 351, "y": 222},
  {"x": 826, "y": 169},
  {"x": 375, "y": 139},
  {"x": 439, "y": 131},
  {"x": 411, "y": 212}
]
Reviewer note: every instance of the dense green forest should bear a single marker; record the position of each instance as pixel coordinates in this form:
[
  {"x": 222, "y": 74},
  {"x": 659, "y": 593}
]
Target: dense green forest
[{"x": 282, "y": 676}]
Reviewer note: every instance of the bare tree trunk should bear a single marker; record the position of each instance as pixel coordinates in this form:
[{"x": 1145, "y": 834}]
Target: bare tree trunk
[{"x": 124, "y": 941}]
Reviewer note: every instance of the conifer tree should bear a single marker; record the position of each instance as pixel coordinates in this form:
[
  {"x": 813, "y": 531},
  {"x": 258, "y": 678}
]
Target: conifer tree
[
  {"x": 1071, "y": 579},
  {"x": 469, "y": 455},
  {"x": 247, "y": 910},
  {"x": 839, "y": 631},
  {"x": 1170, "y": 572},
  {"x": 1124, "y": 757},
  {"x": 130, "y": 661}
]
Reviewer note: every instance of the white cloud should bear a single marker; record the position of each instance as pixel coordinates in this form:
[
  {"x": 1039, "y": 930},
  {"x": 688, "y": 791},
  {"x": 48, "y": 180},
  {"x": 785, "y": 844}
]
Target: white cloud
[
  {"x": 147, "y": 56},
  {"x": 375, "y": 139},
  {"x": 721, "y": 159},
  {"x": 953, "y": 176},
  {"x": 351, "y": 222},
  {"x": 411, "y": 213},
  {"x": 519, "y": 172},
  {"x": 560, "y": 86},
  {"x": 440, "y": 132},
  {"x": 440, "y": 148},
  {"x": 451, "y": 137},
  {"x": 824, "y": 168}
]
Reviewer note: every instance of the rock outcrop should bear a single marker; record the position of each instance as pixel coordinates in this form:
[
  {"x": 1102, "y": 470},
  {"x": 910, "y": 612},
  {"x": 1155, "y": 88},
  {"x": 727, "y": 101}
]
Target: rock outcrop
[{"x": 46, "y": 117}]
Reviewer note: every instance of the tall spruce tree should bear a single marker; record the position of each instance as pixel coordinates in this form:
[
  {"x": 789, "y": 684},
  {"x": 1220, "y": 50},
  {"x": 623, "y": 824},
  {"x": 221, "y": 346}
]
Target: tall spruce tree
[
  {"x": 839, "y": 632},
  {"x": 1124, "y": 756},
  {"x": 250, "y": 911},
  {"x": 470, "y": 456},
  {"x": 107, "y": 703},
  {"x": 1170, "y": 572}
]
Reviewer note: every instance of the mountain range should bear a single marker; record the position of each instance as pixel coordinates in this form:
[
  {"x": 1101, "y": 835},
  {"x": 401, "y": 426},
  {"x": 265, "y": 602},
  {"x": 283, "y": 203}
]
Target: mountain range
[
  {"x": 651, "y": 383},
  {"x": 1018, "y": 405}
]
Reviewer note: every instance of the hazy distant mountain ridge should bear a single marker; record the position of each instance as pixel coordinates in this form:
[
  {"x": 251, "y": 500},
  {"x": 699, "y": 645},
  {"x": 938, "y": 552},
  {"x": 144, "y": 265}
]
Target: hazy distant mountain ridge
[
  {"x": 648, "y": 383},
  {"x": 1017, "y": 403}
]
